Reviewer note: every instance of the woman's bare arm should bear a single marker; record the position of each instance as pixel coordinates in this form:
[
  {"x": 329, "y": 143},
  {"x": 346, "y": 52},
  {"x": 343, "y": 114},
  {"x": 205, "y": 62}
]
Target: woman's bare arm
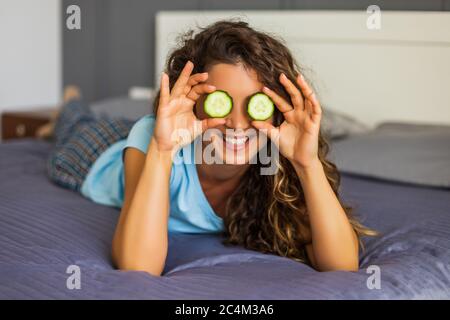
[
  {"x": 334, "y": 242},
  {"x": 140, "y": 241},
  {"x": 141, "y": 238}
]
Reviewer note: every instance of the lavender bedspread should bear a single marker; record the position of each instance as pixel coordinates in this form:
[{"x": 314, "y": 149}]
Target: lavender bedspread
[{"x": 44, "y": 229}]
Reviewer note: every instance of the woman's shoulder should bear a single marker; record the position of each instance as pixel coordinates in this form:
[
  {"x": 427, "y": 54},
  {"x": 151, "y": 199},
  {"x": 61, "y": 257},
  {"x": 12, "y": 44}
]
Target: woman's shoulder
[
  {"x": 145, "y": 121},
  {"x": 141, "y": 133}
]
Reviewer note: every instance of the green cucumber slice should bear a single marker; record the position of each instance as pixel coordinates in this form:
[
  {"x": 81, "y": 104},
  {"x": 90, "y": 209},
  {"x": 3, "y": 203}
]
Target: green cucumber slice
[
  {"x": 218, "y": 104},
  {"x": 260, "y": 107}
]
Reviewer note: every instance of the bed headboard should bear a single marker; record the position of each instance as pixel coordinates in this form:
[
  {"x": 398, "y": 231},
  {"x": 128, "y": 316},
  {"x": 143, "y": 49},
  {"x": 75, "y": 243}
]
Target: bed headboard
[{"x": 398, "y": 73}]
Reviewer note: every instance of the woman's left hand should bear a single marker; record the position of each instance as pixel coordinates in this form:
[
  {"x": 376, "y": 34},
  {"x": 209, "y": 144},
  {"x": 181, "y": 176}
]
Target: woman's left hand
[{"x": 298, "y": 136}]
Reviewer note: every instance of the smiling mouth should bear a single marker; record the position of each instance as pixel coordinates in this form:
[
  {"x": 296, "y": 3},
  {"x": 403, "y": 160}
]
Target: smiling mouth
[{"x": 235, "y": 143}]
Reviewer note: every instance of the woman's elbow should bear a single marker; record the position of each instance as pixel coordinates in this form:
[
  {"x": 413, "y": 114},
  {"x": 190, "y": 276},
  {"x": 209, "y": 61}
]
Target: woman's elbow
[
  {"x": 156, "y": 272},
  {"x": 350, "y": 266},
  {"x": 132, "y": 264}
]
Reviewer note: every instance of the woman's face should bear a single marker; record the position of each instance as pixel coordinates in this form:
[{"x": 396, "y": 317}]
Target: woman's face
[{"x": 235, "y": 142}]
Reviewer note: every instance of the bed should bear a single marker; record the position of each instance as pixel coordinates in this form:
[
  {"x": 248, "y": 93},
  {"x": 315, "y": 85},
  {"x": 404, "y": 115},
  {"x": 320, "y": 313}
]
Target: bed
[{"x": 44, "y": 229}]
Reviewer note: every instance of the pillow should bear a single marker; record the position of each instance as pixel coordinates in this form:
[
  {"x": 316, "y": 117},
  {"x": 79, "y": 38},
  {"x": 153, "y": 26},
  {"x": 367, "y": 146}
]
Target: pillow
[
  {"x": 337, "y": 125},
  {"x": 402, "y": 152},
  {"x": 122, "y": 107},
  {"x": 138, "y": 103}
]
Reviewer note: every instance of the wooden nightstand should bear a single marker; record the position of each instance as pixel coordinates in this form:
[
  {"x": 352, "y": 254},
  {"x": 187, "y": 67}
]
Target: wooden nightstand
[{"x": 21, "y": 124}]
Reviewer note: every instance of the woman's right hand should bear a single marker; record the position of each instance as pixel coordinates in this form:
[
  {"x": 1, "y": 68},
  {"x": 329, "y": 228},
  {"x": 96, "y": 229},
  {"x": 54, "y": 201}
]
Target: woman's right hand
[{"x": 176, "y": 124}]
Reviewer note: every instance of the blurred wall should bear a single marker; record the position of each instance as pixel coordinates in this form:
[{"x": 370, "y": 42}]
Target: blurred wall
[
  {"x": 30, "y": 53},
  {"x": 114, "y": 50}
]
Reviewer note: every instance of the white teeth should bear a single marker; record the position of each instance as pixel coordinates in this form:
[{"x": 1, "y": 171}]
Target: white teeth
[{"x": 236, "y": 141}]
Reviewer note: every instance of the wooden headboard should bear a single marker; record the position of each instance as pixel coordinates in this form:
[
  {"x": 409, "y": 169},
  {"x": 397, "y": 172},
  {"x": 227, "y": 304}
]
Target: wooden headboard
[{"x": 398, "y": 73}]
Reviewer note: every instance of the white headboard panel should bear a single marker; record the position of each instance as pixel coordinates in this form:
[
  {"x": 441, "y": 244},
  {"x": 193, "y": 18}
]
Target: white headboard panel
[{"x": 400, "y": 72}]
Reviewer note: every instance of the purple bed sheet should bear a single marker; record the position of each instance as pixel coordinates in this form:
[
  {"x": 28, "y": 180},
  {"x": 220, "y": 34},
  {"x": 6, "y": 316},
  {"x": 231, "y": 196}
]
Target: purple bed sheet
[{"x": 45, "y": 228}]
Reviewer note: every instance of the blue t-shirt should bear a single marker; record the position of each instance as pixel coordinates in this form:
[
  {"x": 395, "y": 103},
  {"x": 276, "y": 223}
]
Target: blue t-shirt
[{"x": 190, "y": 211}]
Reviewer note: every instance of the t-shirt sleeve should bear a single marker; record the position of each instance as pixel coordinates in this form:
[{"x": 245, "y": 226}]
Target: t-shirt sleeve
[{"x": 141, "y": 133}]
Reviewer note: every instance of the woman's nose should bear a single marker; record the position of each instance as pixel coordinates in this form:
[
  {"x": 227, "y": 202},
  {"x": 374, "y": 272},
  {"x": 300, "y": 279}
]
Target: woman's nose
[{"x": 238, "y": 118}]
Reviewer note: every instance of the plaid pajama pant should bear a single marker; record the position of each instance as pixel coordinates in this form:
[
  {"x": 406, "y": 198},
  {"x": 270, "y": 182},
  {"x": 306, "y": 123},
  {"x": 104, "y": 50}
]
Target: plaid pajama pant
[{"x": 79, "y": 139}]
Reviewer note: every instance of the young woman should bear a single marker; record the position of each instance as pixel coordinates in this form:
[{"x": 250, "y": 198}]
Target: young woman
[{"x": 295, "y": 212}]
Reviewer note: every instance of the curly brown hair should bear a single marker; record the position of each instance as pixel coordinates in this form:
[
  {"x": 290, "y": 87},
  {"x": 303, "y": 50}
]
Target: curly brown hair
[{"x": 266, "y": 213}]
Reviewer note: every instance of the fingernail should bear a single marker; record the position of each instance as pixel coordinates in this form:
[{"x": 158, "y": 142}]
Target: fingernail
[
  {"x": 266, "y": 89},
  {"x": 302, "y": 77}
]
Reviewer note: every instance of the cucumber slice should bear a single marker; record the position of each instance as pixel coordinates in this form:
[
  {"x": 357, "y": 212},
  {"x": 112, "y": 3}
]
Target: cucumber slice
[
  {"x": 218, "y": 104},
  {"x": 260, "y": 107}
]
